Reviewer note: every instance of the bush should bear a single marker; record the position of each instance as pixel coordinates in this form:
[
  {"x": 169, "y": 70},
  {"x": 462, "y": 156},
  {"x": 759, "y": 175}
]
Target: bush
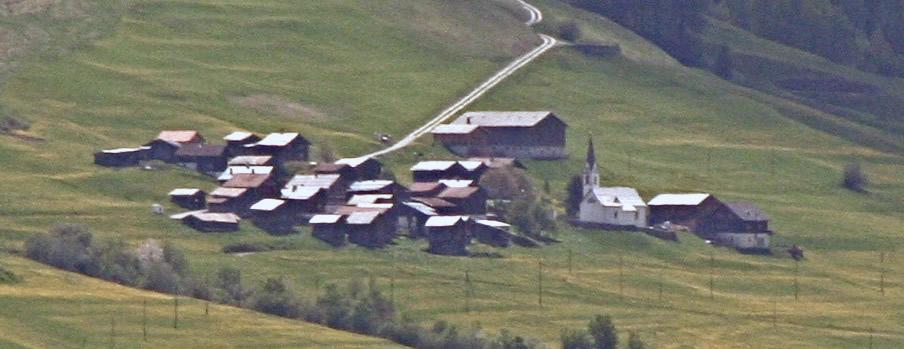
[
  {"x": 570, "y": 31},
  {"x": 162, "y": 278},
  {"x": 276, "y": 299},
  {"x": 9, "y": 123},
  {"x": 229, "y": 286},
  {"x": 576, "y": 339},
  {"x": 854, "y": 178},
  {"x": 575, "y": 192},
  {"x": 506, "y": 183},
  {"x": 603, "y": 332},
  {"x": 635, "y": 342},
  {"x": 8, "y": 277}
]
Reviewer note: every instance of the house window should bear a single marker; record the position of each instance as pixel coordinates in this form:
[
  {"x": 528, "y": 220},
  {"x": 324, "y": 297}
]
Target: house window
[{"x": 615, "y": 214}]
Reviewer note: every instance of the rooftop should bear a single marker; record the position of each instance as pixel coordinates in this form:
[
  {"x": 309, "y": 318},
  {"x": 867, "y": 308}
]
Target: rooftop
[
  {"x": 247, "y": 181},
  {"x": 201, "y": 149},
  {"x": 324, "y": 181},
  {"x": 353, "y": 162},
  {"x": 369, "y": 185},
  {"x": 235, "y": 170},
  {"x": 184, "y": 192},
  {"x": 279, "y": 139},
  {"x": 267, "y": 205},
  {"x": 300, "y": 193},
  {"x": 250, "y": 160},
  {"x": 503, "y": 118},
  {"x": 228, "y": 192},
  {"x": 122, "y": 150},
  {"x": 458, "y": 193},
  {"x": 217, "y": 217},
  {"x": 420, "y": 207},
  {"x": 444, "y": 221},
  {"x": 325, "y": 219},
  {"x": 433, "y": 165},
  {"x": 625, "y": 197},
  {"x": 423, "y": 187},
  {"x": 453, "y": 129},
  {"x": 747, "y": 211},
  {"x": 238, "y": 136},
  {"x": 692, "y": 199},
  {"x": 178, "y": 136},
  {"x": 434, "y": 202},
  {"x": 456, "y": 183},
  {"x": 494, "y": 224},
  {"x": 362, "y": 218},
  {"x": 369, "y": 199}
]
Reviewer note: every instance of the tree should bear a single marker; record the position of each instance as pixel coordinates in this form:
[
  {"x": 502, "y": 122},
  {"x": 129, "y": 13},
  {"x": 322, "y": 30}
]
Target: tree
[
  {"x": 275, "y": 298},
  {"x": 506, "y": 183},
  {"x": 521, "y": 214},
  {"x": 575, "y": 193},
  {"x": 326, "y": 153},
  {"x": 229, "y": 280},
  {"x": 603, "y": 332},
  {"x": 175, "y": 258},
  {"x": 724, "y": 64},
  {"x": 635, "y": 342},
  {"x": 576, "y": 339},
  {"x": 854, "y": 178}
]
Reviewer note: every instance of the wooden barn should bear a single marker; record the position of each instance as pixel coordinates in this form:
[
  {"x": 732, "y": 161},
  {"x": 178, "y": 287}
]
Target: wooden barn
[
  {"x": 365, "y": 168},
  {"x": 377, "y": 187},
  {"x": 448, "y": 235},
  {"x": 231, "y": 171},
  {"x": 289, "y": 146},
  {"x": 432, "y": 171},
  {"x": 412, "y": 217},
  {"x": 372, "y": 229},
  {"x": 273, "y": 215},
  {"x": 260, "y": 185},
  {"x": 493, "y": 233},
  {"x": 212, "y": 221},
  {"x": 166, "y": 144},
  {"x": 467, "y": 200},
  {"x": 202, "y": 157},
  {"x": 189, "y": 198},
  {"x": 330, "y": 228},
  {"x": 237, "y": 141},
  {"x": 235, "y": 200},
  {"x": 304, "y": 201},
  {"x": 441, "y": 206},
  {"x": 332, "y": 186},
  {"x": 426, "y": 189},
  {"x": 742, "y": 225},
  {"x": 121, "y": 157},
  {"x": 252, "y": 160},
  {"x": 520, "y": 135},
  {"x": 689, "y": 210}
]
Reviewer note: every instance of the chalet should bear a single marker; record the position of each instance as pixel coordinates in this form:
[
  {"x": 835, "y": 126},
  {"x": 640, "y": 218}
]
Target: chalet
[
  {"x": 189, "y": 198},
  {"x": 531, "y": 135},
  {"x": 236, "y": 142},
  {"x": 237, "y": 170},
  {"x": 120, "y": 157},
  {"x": 370, "y": 228},
  {"x": 467, "y": 200},
  {"x": 204, "y": 158},
  {"x": 426, "y": 189},
  {"x": 212, "y": 221},
  {"x": 330, "y": 228},
  {"x": 689, "y": 210},
  {"x": 448, "y": 235},
  {"x": 493, "y": 233},
  {"x": 260, "y": 185},
  {"x": 235, "y": 200},
  {"x": 739, "y": 224},
  {"x": 304, "y": 201},
  {"x": 282, "y": 147},
  {"x": 413, "y": 215},
  {"x": 432, "y": 171},
  {"x": 376, "y": 187},
  {"x": 251, "y": 160},
  {"x": 609, "y": 207},
  {"x": 166, "y": 144},
  {"x": 332, "y": 186},
  {"x": 365, "y": 167}
]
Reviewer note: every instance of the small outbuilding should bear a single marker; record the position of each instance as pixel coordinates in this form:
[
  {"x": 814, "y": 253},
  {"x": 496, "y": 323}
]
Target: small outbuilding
[
  {"x": 493, "y": 233},
  {"x": 413, "y": 216},
  {"x": 189, "y": 198},
  {"x": 365, "y": 168},
  {"x": 120, "y": 157},
  {"x": 283, "y": 147},
  {"x": 330, "y": 228},
  {"x": 448, "y": 235},
  {"x": 236, "y": 142},
  {"x": 213, "y": 221},
  {"x": 467, "y": 200},
  {"x": 202, "y": 157},
  {"x": 370, "y": 228}
]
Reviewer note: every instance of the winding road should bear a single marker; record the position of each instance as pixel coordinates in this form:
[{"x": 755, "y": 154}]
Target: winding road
[{"x": 548, "y": 42}]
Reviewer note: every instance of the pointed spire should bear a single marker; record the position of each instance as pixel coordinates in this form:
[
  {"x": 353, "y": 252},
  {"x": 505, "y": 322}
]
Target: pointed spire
[{"x": 591, "y": 155}]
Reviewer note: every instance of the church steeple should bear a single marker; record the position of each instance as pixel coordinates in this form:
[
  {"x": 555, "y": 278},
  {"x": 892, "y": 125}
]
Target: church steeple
[{"x": 591, "y": 176}]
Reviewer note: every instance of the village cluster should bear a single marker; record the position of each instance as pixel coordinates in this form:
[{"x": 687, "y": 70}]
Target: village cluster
[{"x": 347, "y": 201}]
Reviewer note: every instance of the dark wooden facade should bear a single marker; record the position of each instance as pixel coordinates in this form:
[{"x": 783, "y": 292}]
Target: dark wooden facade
[
  {"x": 735, "y": 218},
  {"x": 204, "y": 158},
  {"x": 694, "y": 217},
  {"x": 452, "y": 240},
  {"x": 467, "y": 200},
  {"x": 190, "y": 200},
  {"x": 119, "y": 157}
]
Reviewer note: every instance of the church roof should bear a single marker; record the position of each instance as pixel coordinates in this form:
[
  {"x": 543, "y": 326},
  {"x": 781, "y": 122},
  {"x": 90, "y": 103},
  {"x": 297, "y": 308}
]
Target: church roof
[
  {"x": 625, "y": 197},
  {"x": 591, "y": 154}
]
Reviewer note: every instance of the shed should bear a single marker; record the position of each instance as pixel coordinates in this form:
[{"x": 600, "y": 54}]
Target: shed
[
  {"x": 426, "y": 189},
  {"x": 365, "y": 167},
  {"x": 303, "y": 201},
  {"x": 189, "y": 198},
  {"x": 236, "y": 141},
  {"x": 120, "y": 157},
  {"x": 690, "y": 210},
  {"x": 329, "y": 228},
  {"x": 467, "y": 200},
  {"x": 285, "y": 146},
  {"x": 235, "y": 200},
  {"x": 236, "y": 170},
  {"x": 212, "y": 221},
  {"x": 180, "y": 136},
  {"x": 432, "y": 171},
  {"x": 370, "y": 229},
  {"x": 413, "y": 215},
  {"x": 515, "y": 134},
  {"x": 493, "y": 233},
  {"x": 448, "y": 235},
  {"x": 261, "y": 185}
]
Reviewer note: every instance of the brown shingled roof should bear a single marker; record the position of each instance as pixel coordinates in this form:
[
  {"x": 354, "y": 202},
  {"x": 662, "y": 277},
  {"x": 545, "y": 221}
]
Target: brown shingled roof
[
  {"x": 247, "y": 181},
  {"x": 178, "y": 136},
  {"x": 201, "y": 150},
  {"x": 458, "y": 193}
]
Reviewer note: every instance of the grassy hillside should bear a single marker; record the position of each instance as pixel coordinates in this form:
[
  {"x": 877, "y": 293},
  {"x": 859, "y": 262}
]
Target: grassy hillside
[
  {"x": 351, "y": 68},
  {"x": 56, "y": 309}
]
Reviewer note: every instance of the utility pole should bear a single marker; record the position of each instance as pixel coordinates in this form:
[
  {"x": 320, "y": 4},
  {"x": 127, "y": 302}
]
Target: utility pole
[
  {"x": 540, "y": 283},
  {"x": 569, "y": 261},
  {"x": 144, "y": 320},
  {"x": 621, "y": 276},
  {"x": 176, "y": 312},
  {"x": 796, "y": 281},
  {"x": 112, "y": 331},
  {"x": 467, "y": 292},
  {"x": 712, "y": 273},
  {"x": 660, "y": 287}
]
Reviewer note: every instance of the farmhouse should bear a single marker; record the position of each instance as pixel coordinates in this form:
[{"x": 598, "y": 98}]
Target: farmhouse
[
  {"x": 282, "y": 147},
  {"x": 236, "y": 142},
  {"x": 189, "y": 198},
  {"x": 303, "y": 201},
  {"x": 689, "y": 210},
  {"x": 531, "y": 135},
  {"x": 212, "y": 221},
  {"x": 236, "y": 200},
  {"x": 609, "y": 207},
  {"x": 739, "y": 224},
  {"x": 121, "y": 157},
  {"x": 204, "y": 158},
  {"x": 329, "y": 228},
  {"x": 448, "y": 235}
]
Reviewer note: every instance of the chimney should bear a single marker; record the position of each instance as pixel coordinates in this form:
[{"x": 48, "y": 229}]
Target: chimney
[{"x": 469, "y": 120}]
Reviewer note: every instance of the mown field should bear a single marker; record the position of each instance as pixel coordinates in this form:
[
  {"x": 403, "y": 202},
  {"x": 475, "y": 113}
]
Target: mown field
[{"x": 353, "y": 68}]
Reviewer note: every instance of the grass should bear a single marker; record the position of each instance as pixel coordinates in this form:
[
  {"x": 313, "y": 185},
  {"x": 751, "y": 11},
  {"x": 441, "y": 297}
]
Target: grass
[
  {"x": 66, "y": 310},
  {"x": 385, "y": 66}
]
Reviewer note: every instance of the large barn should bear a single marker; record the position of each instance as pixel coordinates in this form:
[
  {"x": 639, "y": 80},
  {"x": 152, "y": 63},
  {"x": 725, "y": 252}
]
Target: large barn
[{"x": 522, "y": 135}]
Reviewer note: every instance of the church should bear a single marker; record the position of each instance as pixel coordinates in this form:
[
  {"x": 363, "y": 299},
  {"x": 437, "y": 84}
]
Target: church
[{"x": 609, "y": 207}]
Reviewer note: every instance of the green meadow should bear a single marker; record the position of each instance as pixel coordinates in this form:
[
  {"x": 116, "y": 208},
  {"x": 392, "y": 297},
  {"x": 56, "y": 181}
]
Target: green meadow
[{"x": 341, "y": 71}]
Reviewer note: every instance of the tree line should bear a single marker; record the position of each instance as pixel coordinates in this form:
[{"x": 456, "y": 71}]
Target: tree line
[{"x": 866, "y": 34}]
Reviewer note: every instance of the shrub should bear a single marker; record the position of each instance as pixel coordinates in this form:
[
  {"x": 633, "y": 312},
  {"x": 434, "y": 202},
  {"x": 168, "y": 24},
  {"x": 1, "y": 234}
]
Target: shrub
[
  {"x": 8, "y": 277},
  {"x": 570, "y": 31},
  {"x": 229, "y": 286},
  {"x": 635, "y": 342},
  {"x": 162, "y": 278},
  {"x": 506, "y": 183},
  {"x": 276, "y": 299},
  {"x": 603, "y": 332},
  {"x": 10, "y": 123},
  {"x": 576, "y": 339},
  {"x": 854, "y": 178},
  {"x": 575, "y": 192}
]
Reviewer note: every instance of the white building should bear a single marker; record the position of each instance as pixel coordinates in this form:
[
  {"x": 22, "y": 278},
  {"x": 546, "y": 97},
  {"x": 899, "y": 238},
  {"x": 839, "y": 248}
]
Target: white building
[{"x": 609, "y": 206}]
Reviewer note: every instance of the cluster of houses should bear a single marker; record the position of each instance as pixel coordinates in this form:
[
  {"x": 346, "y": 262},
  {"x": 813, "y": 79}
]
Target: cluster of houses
[
  {"x": 347, "y": 201},
  {"x": 738, "y": 224}
]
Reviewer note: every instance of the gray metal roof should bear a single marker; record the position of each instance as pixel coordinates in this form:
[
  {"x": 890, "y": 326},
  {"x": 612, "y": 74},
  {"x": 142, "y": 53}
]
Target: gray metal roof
[
  {"x": 353, "y": 162},
  {"x": 237, "y": 136},
  {"x": 444, "y": 221},
  {"x": 369, "y": 185},
  {"x": 625, "y": 197},
  {"x": 300, "y": 193},
  {"x": 503, "y": 118},
  {"x": 747, "y": 211},
  {"x": 184, "y": 192},
  {"x": 324, "y": 181},
  {"x": 691, "y": 199},
  {"x": 267, "y": 205},
  {"x": 278, "y": 139},
  {"x": 368, "y": 198},
  {"x": 420, "y": 207},
  {"x": 325, "y": 219},
  {"x": 250, "y": 160},
  {"x": 237, "y": 170},
  {"x": 433, "y": 165},
  {"x": 362, "y": 218},
  {"x": 453, "y": 129}
]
